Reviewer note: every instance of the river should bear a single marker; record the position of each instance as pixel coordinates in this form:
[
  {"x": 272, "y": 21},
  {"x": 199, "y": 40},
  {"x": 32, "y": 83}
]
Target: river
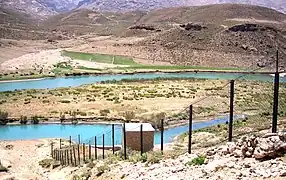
[{"x": 52, "y": 83}]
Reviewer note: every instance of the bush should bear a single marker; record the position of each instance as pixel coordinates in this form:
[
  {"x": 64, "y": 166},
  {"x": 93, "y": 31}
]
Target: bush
[
  {"x": 104, "y": 112},
  {"x": 129, "y": 115},
  {"x": 197, "y": 161},
  {"x": 35, "y": 120},
  {"x": 23, "y": 120},
  {"x": 74, "y": 122},
  {"x": 154, "y": 157},
  {"x": 65, "y": 101},
  {"x": 138, "y": 158},
  {"x": 3, "y": 117},
  {"x": 62, "y": 118},
  {"x": 102, "y": 169}
]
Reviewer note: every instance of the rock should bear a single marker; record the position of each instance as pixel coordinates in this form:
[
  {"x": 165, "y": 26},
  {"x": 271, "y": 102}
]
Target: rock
[
  {"x": 9, "y": 147},
  {"x": 8, "y": 177},
  {"x": 269, "y": 135},
  {"x": 269, "y": 147},
  {"x": 244, "y": 47},
  {"x": 283, "y": 174}
]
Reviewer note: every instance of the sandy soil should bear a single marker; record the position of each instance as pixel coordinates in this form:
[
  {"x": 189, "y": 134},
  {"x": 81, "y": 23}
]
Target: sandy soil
[{"x": 23, "y": 158}]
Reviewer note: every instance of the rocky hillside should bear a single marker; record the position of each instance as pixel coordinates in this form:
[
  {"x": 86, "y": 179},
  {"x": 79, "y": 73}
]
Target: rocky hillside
[
  {"x": 40, "y": 8},
  {"x": 45, "y": 8},
  {"x": 126, "y": 5}
]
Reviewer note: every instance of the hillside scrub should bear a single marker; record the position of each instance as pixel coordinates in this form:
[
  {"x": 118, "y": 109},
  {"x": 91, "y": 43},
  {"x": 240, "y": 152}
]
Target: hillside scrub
[{"x": 3, "y": 117}]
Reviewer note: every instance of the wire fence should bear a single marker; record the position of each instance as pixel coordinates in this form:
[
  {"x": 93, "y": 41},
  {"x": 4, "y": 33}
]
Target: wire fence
[{"x": 229, "y": 103}]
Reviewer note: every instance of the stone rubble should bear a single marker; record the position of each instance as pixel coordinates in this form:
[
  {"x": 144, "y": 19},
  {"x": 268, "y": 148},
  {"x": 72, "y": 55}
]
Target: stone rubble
[{"x": 246, "y": 159}]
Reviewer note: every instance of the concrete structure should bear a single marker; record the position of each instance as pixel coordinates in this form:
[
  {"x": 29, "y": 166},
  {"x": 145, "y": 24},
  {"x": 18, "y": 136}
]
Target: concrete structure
[{"x": 133, "y": 140}]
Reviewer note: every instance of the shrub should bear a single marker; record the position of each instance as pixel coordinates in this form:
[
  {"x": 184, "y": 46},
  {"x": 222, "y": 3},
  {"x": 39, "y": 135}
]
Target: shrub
[
  {"x": 154, "y": 157},
  {"x": 3, "y": 117},
  {"x": 65, "y": 101},
  {"x": 197, "y": 161},
  {"x": 102, "y": 169},
  {"x": 35, "y": 120},
  {"x": 129, "y": 115},
  {"x": 23, "y": 120},
  {"x": 104, "y": 112},
  {"x": 62, "y": 118},
  {"x": 46, "y": 101},
  {"x": 138, "y": 158},
  {"x": 74, "y": 122}
]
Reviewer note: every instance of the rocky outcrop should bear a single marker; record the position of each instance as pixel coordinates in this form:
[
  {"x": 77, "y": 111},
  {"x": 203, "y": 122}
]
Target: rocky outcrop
[
  {"x": 244, "y": 28},
  {"x": 192, "y": 26},
  {"x": 143, "y": 27},
  {"x": 260, "y": 148}
]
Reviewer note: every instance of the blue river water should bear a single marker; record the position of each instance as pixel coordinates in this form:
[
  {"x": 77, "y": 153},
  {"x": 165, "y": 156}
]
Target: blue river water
[
  {"x": 87, "y": 132},
  {"x": 51, "y": 83}
]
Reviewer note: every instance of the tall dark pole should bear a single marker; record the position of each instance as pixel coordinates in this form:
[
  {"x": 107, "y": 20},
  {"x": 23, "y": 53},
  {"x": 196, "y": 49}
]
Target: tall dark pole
[
  {"x": 79, "y": 139},
  {"x": 231, "y": 110},
  {"x": 103, "y": 146},
  {"x": 124, "y": 141},
  {"x": 190, "y": 128},
  {"x": 113, "y": 138},
  {"x": 162, "y": 135},
  {"x": 95, "y": 148},
  {"x": 276, "y": 96},
  {"x": 141, "y": 139}
]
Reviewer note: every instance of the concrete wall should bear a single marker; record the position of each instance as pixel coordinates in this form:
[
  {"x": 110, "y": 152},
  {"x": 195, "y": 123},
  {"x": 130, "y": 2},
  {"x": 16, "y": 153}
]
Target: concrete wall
[{"x": 133, "y": 140}]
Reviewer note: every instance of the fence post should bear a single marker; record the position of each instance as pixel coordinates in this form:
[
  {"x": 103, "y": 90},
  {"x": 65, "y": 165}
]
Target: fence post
[
  {"x": 68, "y": 157},
  {"x": 71, "y": 157},
  {"x": 60, "y": 143},
  {"x": 52, "y": 150},
  {"x": 276, "y": 96},
  {"x": 64, "y": 157},
  {"x": 124, "y": 141},
  {"x": 83, "y": 151},
  {"x": 78, "y": 139},
  {"x": 70, "y": 140},
  {"x": 56, "y": 155},
  {"x": 230, "y": 124},
  {"x": 74, "y": 156},
  {"x": 141, "y": 138},
  {"x": 78, "y": 153},
  {"x": 113, "y": 138},
  {"x": 162, "y": 135},
  {"x": 95, "y": 148},
  {"x": 190, "y": 128},
  {"x": 89, "y": 151},
  {"x": 103, "y": 146}
]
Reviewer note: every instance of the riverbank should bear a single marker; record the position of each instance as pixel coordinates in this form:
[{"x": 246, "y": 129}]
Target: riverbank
[
  {"x": 211, "y": 157},
  {"x": 5, "y": 79}
]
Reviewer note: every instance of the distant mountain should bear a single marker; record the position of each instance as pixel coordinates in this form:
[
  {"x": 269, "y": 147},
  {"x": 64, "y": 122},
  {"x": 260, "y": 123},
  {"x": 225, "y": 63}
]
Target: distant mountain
[
  {"x": 40, "y": 8},
  {"x": 128, "y": 5},
  {"x": 44, "y": 8}
]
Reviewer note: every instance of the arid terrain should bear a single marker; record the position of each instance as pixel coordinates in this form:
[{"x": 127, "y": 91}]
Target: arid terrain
[
  {"x": 217, "y": 36},
  {"x": 48, "y": 39}
]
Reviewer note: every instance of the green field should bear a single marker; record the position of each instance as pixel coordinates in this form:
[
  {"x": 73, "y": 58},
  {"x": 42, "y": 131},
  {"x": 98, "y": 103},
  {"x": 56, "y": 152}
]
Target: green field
[
  {"x": 176, "y": 67},
  {"x": 100, "y": 58},
  {"x": 132, "y": 65}
]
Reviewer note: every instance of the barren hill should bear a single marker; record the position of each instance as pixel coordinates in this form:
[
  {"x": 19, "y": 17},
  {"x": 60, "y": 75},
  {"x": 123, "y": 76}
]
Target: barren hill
[
  {"x": 218, "y": 13},
  {"x": 126, "y": 5}
]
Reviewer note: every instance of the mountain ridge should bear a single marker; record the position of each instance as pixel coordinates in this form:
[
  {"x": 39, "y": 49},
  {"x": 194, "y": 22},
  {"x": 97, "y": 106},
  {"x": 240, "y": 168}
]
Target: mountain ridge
[{"x": 42, "y": 9}]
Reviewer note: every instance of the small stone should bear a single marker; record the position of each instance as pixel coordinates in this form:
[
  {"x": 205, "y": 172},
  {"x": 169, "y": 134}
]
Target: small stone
[{"x": 283, "y": 174}]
